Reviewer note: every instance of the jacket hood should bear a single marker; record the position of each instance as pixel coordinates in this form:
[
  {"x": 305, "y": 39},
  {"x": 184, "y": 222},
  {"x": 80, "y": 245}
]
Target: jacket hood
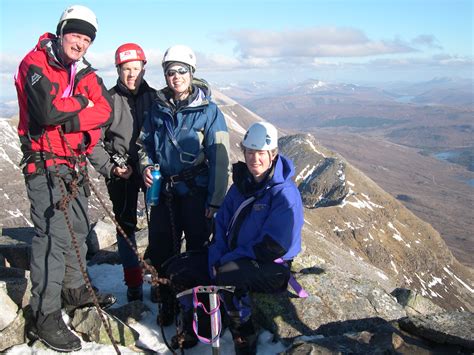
[
  {"x": 201, "y": 95},
  {"x": 282, "y": 170}
]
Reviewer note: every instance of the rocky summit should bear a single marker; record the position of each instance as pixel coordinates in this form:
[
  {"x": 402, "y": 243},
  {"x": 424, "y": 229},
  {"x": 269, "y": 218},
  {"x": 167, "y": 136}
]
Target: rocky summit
[{"x": 379, "y": 279}]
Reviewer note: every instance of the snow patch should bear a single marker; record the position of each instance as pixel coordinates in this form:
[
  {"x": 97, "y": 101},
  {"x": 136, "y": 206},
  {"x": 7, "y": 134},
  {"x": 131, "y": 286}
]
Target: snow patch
[
  {"x": 314, "y": 148},
  {"x": 394, "y": 267},
  {"x": 397, "y": 234},
  {"x": 234, "y": 125},
  {"x": 450, "y": 273},
  {"x": 305, "y": 173}
]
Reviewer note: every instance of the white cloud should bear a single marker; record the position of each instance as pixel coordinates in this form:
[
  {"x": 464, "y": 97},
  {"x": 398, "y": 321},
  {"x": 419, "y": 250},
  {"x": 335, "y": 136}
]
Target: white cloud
[
  {"x": 423, "y": 62},
  {"x": 313, "y": 42},
  {"x": 331, "y": 53},
  {"x": 426, "y": 40}
]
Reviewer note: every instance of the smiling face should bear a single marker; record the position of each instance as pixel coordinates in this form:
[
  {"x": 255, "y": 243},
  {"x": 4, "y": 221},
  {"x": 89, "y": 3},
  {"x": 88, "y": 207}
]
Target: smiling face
[
  {"x": 258, "y": 162},
  {"x": 131, "y": 74},
  {"x": 74, "y": 46},
  {"x": 178, "y": 79}
]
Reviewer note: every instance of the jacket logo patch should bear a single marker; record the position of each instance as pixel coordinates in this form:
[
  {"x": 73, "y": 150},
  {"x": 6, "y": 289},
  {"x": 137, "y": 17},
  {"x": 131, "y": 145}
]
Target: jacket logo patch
[
  {"x": 35, "y": 78},
  {"x": 259, "y": 206}
]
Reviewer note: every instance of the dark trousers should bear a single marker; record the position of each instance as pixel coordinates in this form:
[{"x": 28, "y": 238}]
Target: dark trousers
[
  {"x": 54, "y": 263},
  {"x": 246, "y": 275},
  {"x": 124, "y": 196},
  {"x": 188, "y": 218}
]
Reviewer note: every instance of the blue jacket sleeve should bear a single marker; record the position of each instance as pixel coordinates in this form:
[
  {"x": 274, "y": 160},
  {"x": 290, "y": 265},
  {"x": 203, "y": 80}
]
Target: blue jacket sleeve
[{"x": 216, "y": 145}]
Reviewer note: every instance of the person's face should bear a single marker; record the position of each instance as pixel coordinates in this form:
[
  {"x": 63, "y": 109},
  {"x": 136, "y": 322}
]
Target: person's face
[
  {"x": 258, "y": 162},
  {"x": 74, "y": 46},
  {"x": 178, "y": 79},
  {"x": 131, "y": 74}
]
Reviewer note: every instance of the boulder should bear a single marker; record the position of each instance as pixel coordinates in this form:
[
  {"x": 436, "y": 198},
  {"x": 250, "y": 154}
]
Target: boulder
[
  {"x": 88, "y": 323},
  {"x": 129, "y": 313},
  {"x": 456, "y": 328},
  {"x": 14, "y": 334},
  {"x": 334, "y": 295},
  {"x": 414, "y": 303},
  {"x": 102, "y": 236},
  {"x": 9, "y": 308},
  {"x": 18, "y": 284},
  {"x": 365, "y": 336},
  {"x": 15, "y": 247}
]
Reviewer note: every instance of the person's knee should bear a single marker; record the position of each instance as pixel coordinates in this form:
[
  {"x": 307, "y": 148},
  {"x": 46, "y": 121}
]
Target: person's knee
[{"x": 229, "y": 274}]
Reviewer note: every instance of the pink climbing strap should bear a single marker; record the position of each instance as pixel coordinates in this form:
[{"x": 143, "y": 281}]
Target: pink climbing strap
[{"x": 196, "y": 305}]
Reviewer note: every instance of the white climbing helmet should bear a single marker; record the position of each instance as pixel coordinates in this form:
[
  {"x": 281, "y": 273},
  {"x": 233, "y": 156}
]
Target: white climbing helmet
[
  {"x": 261, "y": 136},
  {"x": 180, "y": 53},
  {"x": 79, "y": 12}
]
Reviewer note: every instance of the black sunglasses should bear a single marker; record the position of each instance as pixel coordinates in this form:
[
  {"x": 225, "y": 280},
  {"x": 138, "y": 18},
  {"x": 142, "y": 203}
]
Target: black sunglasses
[{"x": 172, "y": 72}]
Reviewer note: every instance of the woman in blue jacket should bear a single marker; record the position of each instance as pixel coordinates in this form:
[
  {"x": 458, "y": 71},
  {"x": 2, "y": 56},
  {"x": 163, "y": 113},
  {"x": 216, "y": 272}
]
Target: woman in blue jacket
[
  {"x": 186, "y": 134},
  {"x": 258, "y": 233}
]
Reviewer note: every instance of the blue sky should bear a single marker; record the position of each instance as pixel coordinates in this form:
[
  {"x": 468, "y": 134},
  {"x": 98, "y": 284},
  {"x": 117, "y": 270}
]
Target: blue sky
[{"x": 352, "y": 41}]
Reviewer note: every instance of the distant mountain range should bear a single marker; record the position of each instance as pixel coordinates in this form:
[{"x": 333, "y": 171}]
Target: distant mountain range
[{"x": 438, "y": 91}]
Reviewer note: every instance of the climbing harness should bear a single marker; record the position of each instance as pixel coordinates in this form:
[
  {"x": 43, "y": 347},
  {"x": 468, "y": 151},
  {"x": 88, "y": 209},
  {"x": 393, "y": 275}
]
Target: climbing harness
[
  {"x": 184, "y": 157},
  {"x": 186, "y": 176}
]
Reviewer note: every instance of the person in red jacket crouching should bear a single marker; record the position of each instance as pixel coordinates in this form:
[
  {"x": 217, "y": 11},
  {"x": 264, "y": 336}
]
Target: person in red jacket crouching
[{"x": 63, "y": 105}]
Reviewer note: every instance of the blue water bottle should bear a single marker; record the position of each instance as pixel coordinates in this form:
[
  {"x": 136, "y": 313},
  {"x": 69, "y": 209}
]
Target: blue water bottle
[{"x": 153, "y": 193}]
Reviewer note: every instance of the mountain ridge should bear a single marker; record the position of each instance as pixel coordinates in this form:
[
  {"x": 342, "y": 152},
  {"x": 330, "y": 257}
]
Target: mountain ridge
[{"x": 360, "y": 223}]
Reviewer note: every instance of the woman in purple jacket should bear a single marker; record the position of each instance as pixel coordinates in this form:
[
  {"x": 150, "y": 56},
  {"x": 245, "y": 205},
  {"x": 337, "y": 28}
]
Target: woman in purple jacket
[{"x": 258, "y": 233}]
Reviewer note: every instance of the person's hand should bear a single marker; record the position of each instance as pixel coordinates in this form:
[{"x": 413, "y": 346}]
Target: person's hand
[
  {"x": 210, "y": 211},
  {"x": 123, "y": 173},
  {"x": 147, "y": 178}
]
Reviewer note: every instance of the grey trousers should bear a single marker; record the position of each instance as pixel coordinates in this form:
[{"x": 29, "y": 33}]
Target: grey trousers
[{"x": 54, "y": 263}]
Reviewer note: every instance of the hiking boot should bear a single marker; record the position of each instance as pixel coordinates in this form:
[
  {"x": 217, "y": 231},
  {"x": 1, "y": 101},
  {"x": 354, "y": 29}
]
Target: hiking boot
[
  {"x": 245, "y": 338},
  {"x": 185, "y": 338},
  {"x": 51, "y": 330},
  {"x": 245, "y": 345},
  {"x": 80, "y": 297},
  {"x": 135, "y": 294},
  {"x": 167, "y": 306}
]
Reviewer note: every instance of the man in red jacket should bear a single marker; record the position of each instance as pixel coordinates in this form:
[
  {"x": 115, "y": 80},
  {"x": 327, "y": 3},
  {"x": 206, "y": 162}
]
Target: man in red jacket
[{"x": 63, "y": 105}]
